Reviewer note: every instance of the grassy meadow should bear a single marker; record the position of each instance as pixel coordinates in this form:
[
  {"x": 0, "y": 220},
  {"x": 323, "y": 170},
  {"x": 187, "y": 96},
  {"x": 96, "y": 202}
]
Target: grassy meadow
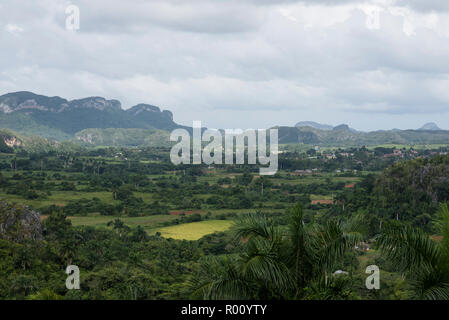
[{"x": 194, "y": 230}]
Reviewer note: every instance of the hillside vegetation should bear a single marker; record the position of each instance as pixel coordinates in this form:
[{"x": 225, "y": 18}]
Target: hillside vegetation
[{"x": 344, "y": 137}]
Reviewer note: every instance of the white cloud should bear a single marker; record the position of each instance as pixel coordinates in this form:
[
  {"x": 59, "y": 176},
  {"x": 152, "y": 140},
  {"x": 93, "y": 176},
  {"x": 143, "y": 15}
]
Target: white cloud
[
  {"x": 12, "y": 28},
  {"x": 236, "y": 62}
]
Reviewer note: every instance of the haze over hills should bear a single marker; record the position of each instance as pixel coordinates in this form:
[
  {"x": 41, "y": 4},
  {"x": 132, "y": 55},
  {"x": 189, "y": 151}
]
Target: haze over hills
[
  {"x": 343, "y": 136},
  {"x": 321, "y": 126},
  {"x": 430, "y": 126},
  {"x": 46, "y": 121},
  {"x": 313, "y": 124}
]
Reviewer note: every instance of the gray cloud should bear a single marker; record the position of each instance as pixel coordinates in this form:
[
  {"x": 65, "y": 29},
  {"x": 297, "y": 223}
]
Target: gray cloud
[
  {"x": 425, "y": 5},
  {"x": 187, "y": 16},
  {"x": 236, "y": 63}
]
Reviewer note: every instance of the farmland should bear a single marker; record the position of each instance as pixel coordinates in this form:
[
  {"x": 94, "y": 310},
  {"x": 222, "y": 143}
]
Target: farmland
[
  {"x": 131, "y": 215},
  {"x": 194, "y": 230},
  {"x": 152, "y": 224}
]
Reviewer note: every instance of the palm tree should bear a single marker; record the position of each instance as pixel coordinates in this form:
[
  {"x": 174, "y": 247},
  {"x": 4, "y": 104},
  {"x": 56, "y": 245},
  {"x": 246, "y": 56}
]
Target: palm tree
[
  {"x": 275, "y": 262},
  {"x": 424, "y": 261},
  {"x": 119, "y": 226},
  {"x": 68, "y": 249}
]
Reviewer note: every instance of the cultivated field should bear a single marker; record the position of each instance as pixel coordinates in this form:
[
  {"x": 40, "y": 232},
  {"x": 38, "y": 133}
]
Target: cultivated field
[{"x": 194, "y": 230}]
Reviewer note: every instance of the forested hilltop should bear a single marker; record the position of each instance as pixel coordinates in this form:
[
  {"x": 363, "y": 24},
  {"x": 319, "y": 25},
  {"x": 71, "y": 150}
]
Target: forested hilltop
[
  {"x": 139, "y": 227},
  {"x": 60, "y": 119},
  {"x": 343, "y": 136},
  {"x": 97, "y": 121}
]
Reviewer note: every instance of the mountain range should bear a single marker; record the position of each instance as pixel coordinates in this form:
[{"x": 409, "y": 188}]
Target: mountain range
[
  {"x": 58, "y": 118},
  {"x": 342, "y": 136},
  {"x": 325, "y": 127},
  {"x": 38, "y": 120},
  {"x": 431, "y": 126}
]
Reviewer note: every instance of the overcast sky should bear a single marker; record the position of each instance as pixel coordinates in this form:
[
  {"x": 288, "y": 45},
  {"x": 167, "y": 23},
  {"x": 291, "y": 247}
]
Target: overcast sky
[{"x": 239, "y": 63}]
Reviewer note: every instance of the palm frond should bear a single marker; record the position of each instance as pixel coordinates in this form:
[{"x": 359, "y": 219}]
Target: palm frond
[
  {"x": 330, "y": 245},
  {"x": 443, "y": 225},
  {"x": 355, "y": 228},
  {"x": 298, "y": 256},
  {"x": 219, "y": 278},
  {"x": 255, "y": 225},
  {"x": 262, "y": 263},
  {"x": 408, "y": 248},
  {"x": 429, "y": 283},
  {"x": 333, "y": 288}
]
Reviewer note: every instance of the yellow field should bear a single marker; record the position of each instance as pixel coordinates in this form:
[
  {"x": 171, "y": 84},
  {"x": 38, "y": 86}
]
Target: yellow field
[{"x": 194, "y": 230}]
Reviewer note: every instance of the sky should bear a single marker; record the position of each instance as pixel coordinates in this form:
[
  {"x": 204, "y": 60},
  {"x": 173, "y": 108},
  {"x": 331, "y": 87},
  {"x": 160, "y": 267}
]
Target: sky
[{"x": 377, "y": 64}]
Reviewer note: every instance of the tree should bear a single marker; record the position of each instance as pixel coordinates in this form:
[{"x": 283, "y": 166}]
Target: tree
[
  {"x": 139, "y": 234},
  {"x": 23, "y": 284},
  {"x": 4, "y": 148},
  {"x": 119, "y": 226},
  {"x": 123, "y": 193},
  {"x": 68, "y": 250},
  {"x": 245, "y": 179},
  {"x": 24, "y": 257},
  {"x": 45, "y": 294},
  {"x": 276, "y": 263},
  {"x": 56, "y": 226},
  {"x": 424, "y": 261}
]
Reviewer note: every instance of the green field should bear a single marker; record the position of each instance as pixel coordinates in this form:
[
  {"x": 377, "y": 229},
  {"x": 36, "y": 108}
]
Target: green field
[
  {"x": 153, "y": 224},
  {"x": 147, "y": 222},
  {"x": 60, "y": 198},
  {"x": 409, "y": 146},
  {"x": 194, "y": 230},
  {"x": 321, "y": 197}
]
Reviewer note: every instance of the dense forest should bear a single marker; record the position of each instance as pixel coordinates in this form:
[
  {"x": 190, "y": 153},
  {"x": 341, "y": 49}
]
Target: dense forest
[{"x": 139, "y": 227}]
